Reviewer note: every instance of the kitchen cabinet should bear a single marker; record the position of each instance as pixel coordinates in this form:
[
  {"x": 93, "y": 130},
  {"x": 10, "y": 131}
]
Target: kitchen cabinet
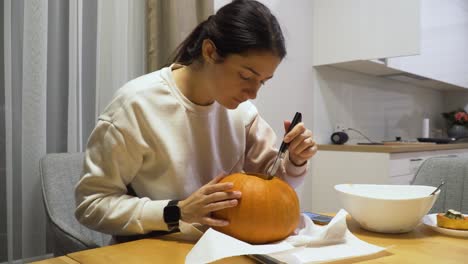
[
  {"x": 443, "y": 53},
  {"x": 420, "y": 42},
  {"x": 336, "y": 164},
  {"x": 356, "y": 30}
]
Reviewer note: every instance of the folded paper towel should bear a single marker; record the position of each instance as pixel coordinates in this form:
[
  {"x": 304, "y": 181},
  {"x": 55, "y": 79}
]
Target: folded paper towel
[
  {"x": 310, "y": 244},
  {"x": 309, "y": 234}
]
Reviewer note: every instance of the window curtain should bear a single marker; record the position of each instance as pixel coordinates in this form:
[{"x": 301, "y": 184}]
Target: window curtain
[
  {"x": 121, "y": 46},
  {"x": 62, "y": 62},
  {"x": 168, "y": 23}
]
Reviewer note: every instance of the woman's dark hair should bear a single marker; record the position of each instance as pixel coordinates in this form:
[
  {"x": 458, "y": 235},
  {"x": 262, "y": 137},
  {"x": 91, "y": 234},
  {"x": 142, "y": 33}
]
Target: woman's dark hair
[{"x": 238, "y": 27}]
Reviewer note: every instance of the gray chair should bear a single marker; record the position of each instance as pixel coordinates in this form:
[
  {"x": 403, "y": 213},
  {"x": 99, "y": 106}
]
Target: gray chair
[
  {"x": 59, "y": 175},
  {"x": 454, "y": 171}
]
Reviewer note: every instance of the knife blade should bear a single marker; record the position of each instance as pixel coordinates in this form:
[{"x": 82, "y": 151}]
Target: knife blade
[{"x": 284, "y": 146}]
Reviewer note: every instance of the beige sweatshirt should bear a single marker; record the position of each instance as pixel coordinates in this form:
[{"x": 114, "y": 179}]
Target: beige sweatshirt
[{"x": 152, "y": 137}]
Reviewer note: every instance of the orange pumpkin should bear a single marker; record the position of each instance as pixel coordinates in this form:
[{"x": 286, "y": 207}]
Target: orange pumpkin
[{"x": 268, "y": 210}]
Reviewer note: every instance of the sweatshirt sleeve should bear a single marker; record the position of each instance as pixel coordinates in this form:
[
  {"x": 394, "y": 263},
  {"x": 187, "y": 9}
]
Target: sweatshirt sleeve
[
  {"x": 261, "y": 153},
  {"x": 112, "y": 160}
]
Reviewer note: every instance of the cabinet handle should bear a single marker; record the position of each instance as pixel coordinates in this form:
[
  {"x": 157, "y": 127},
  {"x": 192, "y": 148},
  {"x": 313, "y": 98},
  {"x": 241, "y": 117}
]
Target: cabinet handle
[{"x": 415, "y": 159}]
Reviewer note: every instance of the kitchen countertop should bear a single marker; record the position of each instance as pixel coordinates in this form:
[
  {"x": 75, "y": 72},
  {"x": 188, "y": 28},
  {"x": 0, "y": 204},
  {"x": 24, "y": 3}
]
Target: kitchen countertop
[{"x": 400, "y": 148}]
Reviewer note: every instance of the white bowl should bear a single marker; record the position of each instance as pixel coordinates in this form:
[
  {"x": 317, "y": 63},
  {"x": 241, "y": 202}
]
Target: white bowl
[{"x": 387, "y": 208}]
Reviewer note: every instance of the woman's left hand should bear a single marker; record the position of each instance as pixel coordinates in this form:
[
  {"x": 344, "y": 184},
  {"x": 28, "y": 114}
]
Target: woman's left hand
[{"x": 301, "y": 144}]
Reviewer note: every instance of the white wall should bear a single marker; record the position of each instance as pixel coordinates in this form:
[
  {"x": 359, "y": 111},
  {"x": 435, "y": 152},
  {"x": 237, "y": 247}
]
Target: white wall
[
  {"x": 382, "y": 109},
  {"x": 455, "y": 100}
]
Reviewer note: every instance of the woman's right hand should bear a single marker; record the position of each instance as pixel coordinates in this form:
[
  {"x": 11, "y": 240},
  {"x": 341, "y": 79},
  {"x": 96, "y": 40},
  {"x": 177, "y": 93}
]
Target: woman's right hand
[{"x": 211, "y": 197}]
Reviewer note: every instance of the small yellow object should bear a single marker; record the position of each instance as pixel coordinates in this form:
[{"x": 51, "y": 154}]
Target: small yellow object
[{"x": 452, "y": 220}]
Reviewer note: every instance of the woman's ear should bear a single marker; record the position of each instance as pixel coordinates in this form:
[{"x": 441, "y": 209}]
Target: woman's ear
[{"x": 209, "y": 51}]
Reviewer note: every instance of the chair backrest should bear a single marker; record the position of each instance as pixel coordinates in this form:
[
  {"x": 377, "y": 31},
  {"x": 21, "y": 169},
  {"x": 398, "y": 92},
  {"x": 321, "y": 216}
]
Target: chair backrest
[
  {"x": 454, "y": 171},
  {"x": 59, "y": 174}
]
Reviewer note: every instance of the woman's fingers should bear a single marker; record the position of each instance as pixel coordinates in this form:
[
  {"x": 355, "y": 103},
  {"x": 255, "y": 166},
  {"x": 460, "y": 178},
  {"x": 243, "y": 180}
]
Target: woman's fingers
[
  {"x": 304, "y": 145},
  {"x": 307, "y": 153},
  {"x": 299, "y": 138},
  {"x": 302, "y": 139},
  {"x": 213, "y": 221},
  {"x": 301, "y": 144},
  {"x": 221, "y": 196},
  {"x": 217, "y": 187},
  {"x": 296, "y": 131},
  {"x": 210, "y": 197},
  {"x": 211, "y": 207},
  {"x": 220, "y": 200},
  {"x": 214, "y": 185}
]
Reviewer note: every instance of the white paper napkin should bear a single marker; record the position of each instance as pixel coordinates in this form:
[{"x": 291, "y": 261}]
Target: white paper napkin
[{"x": 311, "y": 244}]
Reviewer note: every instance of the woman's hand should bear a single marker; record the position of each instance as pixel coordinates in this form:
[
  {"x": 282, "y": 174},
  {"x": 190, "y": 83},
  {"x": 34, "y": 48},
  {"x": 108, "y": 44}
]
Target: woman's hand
[
  {"x": 211, "y": 197},
  {"x": 301, "y": 144}
]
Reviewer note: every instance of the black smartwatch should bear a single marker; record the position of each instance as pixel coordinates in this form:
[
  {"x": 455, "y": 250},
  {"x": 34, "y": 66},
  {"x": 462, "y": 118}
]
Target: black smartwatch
[{"x": 172, "y": 214}]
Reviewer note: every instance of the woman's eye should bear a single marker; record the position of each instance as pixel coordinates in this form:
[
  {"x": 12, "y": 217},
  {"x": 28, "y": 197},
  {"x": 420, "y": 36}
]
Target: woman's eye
[
  {"x": 244, "y": 77},
  {"x": 248, "y": 78}
]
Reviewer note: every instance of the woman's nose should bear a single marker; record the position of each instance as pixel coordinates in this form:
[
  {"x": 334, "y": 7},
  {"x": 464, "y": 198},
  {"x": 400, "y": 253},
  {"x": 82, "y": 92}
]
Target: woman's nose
[
  {"x": 251, "y": 93},
  {"x": 253, "y": 90}
]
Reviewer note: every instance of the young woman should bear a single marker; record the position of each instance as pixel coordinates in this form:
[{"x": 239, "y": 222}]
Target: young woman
[{"x": 159, "y": 149}]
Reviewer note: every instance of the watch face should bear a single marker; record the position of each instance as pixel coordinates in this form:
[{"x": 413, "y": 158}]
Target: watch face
[{"x": 171, "y": 214}]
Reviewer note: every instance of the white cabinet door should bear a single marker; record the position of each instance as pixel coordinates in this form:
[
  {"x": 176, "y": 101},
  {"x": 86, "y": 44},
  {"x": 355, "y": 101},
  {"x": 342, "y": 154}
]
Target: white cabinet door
[
  {"x": 444, "y": 44},
  {"x": 350, "y": 30},
  {"x": 404, "y": 166},
  {"x": 330, "y": 168}
]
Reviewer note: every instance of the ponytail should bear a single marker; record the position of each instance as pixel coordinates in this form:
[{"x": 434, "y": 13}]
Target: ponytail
[
  {"x": 238, "y": 27},
  {"x": 190, "y": 49}
]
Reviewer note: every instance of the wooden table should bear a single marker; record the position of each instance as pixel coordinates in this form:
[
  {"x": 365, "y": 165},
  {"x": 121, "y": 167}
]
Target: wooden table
[
  {"x": 143, "y": 251},
  {"x": 421, "y": 245}
]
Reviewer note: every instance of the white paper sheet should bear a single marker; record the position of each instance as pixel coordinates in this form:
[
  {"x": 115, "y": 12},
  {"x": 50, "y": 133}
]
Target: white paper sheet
[{"x": 311, "y": 244}]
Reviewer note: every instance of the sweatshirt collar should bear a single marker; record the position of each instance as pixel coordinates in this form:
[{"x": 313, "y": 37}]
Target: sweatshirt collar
[{"x": 189, "y": 105}]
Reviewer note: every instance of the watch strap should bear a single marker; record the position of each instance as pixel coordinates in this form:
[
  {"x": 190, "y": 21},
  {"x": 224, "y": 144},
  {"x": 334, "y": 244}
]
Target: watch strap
[{"x": 172, "y": 202}]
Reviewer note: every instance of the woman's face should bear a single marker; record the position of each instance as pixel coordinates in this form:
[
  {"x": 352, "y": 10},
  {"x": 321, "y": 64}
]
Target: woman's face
[{"x": 239, "y": 77}]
